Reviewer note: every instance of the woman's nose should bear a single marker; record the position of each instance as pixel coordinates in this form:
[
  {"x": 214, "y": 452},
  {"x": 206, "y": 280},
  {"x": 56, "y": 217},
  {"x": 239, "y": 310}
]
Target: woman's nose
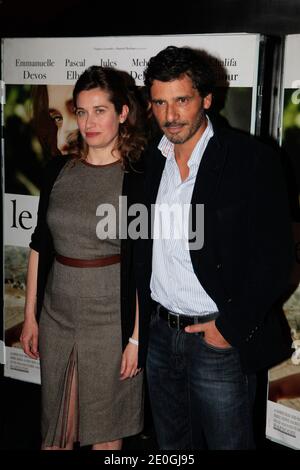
[{"x": 65, "y": 134}]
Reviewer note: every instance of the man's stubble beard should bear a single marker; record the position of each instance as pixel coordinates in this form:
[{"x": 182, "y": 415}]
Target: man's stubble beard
[{"x": 192, "y": 130}]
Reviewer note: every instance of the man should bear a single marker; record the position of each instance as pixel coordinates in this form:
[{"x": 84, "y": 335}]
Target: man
[{"x": 213, "y": 316}]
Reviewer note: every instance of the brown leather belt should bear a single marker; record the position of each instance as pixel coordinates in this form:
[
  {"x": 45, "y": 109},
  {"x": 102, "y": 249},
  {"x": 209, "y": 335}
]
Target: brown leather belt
[{"x": 88, "y": 263}]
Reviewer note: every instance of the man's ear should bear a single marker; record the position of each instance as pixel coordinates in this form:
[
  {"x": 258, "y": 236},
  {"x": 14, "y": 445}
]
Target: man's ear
[{"x": 207, "y": 101}]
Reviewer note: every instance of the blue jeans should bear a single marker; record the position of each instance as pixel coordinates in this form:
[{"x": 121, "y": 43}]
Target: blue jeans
[{"x": 200, "y": 397}]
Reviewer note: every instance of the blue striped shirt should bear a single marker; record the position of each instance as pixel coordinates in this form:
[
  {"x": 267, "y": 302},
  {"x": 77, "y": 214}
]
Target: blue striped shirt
[{"x": 173, "y": 282}]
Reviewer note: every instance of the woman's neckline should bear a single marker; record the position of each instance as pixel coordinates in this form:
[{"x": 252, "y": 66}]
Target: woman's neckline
[{"x": 103, "y": 165}]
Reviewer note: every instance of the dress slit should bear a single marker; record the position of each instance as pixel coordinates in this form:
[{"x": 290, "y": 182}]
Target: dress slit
[{"x": 64, "y": 410}]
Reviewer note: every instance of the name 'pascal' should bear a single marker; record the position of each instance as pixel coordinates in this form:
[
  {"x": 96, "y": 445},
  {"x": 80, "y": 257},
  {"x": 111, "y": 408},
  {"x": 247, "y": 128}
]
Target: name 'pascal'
[{"x": 75, "y": 63}]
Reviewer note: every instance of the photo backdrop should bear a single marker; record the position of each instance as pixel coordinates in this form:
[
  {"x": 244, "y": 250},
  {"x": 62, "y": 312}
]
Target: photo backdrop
[{"x": 39, "y": 75}]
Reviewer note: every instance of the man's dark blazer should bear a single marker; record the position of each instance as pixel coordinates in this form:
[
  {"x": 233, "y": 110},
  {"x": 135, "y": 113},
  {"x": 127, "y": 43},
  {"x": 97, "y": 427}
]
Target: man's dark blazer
[{"x": 245, "y": 262}]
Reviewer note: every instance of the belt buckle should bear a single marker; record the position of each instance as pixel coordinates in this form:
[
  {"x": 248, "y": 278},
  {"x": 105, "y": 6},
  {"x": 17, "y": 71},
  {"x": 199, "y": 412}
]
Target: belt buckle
[{"x": 176, "y": 315}]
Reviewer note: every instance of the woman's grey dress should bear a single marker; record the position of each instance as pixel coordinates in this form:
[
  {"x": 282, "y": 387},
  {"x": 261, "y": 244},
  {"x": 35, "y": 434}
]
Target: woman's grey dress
[{"x": 80, "y": 324}]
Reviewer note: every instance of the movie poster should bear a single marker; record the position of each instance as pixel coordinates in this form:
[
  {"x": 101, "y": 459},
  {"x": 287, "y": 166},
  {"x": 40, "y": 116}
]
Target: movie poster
[
  {"x": 39, "y": 75},
  {"x": 283, "y": 406}
]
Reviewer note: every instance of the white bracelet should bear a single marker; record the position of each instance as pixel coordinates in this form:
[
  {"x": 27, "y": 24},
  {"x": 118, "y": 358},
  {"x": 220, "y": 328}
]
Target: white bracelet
[{"x": 133, "y": 341}]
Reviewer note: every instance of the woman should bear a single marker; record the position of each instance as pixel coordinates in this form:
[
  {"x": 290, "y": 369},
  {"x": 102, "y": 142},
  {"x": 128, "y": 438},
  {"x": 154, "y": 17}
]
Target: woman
[
  {"x": 91, "y": 392},
  {"x": 54, "y": 118}
]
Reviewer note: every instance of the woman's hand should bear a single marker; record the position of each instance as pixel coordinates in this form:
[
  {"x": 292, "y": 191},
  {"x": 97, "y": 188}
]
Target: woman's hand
[
  {"x": 129, "y": 362},
  {"x": 29, "y": 338}
]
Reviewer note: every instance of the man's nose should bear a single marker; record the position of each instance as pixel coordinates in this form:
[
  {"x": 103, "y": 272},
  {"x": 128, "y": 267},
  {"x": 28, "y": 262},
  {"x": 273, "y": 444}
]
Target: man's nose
[{"x": 171, "y": 113}]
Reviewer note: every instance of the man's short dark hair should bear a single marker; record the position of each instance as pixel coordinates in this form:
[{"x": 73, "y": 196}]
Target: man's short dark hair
[{"x": 173, "y": 62}]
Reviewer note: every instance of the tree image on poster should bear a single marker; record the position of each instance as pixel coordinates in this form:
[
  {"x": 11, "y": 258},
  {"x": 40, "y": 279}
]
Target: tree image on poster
[
  {"x": 284, "y": 384},
  {"x": 283, "y": 413}
]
